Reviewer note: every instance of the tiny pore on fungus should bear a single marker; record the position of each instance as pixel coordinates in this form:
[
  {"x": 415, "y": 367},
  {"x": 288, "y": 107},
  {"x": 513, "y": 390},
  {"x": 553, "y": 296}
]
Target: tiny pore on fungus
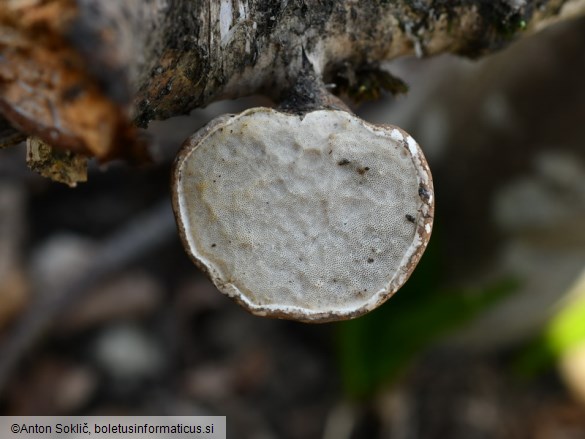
[{"x": 315, "y": 217}]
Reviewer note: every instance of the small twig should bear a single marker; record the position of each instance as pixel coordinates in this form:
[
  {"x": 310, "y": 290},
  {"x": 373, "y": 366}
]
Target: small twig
[
  {"x": 8, "y": 135},
  {"x": 123, "y": 247}
]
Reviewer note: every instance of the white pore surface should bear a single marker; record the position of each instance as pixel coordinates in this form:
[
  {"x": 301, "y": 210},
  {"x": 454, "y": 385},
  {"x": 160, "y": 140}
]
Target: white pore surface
[{"x": 303, "y": 214}]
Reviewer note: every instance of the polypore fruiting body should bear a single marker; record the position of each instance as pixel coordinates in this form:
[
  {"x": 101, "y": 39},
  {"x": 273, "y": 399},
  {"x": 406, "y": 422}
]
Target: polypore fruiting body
[{"x": 313, "y": 217}]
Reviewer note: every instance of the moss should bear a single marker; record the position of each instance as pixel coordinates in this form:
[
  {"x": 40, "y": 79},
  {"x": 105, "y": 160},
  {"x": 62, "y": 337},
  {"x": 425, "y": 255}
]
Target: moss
[
  {"x": 501, "y": 17},
  {"x": 365, "y": 83},
  {"x": 500, "y": 25}
]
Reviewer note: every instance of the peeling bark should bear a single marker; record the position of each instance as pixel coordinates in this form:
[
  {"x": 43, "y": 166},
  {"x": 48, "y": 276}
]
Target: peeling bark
[{"x": 81, "y": 74}]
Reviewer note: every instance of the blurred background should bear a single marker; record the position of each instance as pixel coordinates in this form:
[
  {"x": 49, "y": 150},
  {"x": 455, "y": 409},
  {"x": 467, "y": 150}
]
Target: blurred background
[{"x": 101, "y": 311}]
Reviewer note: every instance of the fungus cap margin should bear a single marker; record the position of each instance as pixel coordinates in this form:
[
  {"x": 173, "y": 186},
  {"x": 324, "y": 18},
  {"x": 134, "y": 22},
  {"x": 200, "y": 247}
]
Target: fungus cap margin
[{"x": 193, "y": 175}]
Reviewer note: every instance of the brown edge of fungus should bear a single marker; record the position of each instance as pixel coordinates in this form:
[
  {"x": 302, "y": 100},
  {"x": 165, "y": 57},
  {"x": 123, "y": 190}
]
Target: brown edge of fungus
[{"x": 423, "y": 230}]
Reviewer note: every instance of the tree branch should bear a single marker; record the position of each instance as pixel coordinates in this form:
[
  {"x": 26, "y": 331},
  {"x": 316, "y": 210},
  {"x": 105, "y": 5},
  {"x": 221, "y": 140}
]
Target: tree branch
[{"x": 81, "y": 73}]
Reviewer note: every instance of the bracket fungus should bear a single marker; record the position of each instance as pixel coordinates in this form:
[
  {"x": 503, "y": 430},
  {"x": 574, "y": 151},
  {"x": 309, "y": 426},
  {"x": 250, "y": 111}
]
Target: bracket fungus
[{"x": 316, "y": 217}]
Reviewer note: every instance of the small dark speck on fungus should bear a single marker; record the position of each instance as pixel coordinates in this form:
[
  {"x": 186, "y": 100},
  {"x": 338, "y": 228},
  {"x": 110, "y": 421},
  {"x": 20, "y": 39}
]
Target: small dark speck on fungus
[{"x": 424, "y": 193}]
